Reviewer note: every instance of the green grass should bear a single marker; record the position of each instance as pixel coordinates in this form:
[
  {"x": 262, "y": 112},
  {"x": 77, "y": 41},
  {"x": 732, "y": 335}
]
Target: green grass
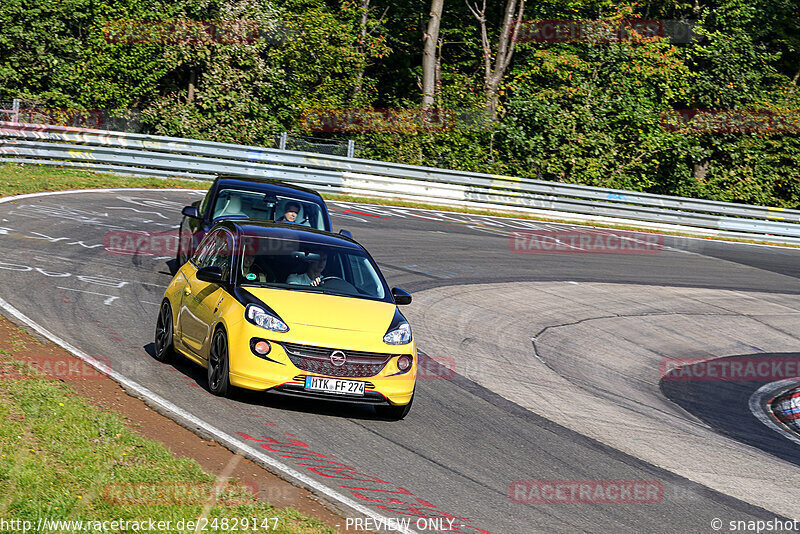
[
  {"x": 18, "y": 179},
  {"x": 63, "y": 459}
]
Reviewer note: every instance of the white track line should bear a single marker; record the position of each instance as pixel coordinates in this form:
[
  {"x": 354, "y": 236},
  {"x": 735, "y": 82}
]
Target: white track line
[{"x": 222, "y": 437}]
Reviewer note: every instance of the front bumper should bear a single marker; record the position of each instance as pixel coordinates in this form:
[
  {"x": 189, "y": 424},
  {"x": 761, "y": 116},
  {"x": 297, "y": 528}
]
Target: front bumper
[{"x": 286, "y": 374}]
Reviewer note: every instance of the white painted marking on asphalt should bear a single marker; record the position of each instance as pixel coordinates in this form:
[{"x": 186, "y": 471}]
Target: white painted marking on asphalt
[
  {"x": 223, "y": 437},
  {"x": 348, "y": 217},
  {"x": 137, "y": 211},
  {"x": 107, "y": 302}
]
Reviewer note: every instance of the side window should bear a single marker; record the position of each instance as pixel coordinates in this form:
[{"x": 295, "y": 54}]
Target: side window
[
  {"x": 204, "y": 204},
  {"x": 204, "y": 251},
  {"x": 222, "y": 251}
]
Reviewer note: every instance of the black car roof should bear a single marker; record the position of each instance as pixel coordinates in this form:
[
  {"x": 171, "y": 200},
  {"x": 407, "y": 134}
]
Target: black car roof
[
  {"x": 257, "y": 228},
  {"x": 256, "y": 183}
]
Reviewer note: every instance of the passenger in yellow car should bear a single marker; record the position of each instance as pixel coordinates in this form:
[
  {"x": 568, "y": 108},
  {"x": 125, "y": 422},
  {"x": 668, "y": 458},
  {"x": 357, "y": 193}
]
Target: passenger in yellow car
[
  {"x": 313, "y": 276},
  {"x": 253, "y": 272}
]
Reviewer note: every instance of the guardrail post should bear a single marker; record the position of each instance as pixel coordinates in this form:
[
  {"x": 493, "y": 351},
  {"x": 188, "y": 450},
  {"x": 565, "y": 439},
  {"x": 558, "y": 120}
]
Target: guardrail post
[
  {"x": 351, "y": 148},
  {"x": 15, "y": 109},
  {"x": 282, "y": 142}
]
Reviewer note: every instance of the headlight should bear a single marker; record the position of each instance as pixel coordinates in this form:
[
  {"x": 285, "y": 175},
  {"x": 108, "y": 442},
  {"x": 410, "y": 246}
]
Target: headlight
[
  {"x": 400, "y": 335},
  {"x": 261, "y": 317}
]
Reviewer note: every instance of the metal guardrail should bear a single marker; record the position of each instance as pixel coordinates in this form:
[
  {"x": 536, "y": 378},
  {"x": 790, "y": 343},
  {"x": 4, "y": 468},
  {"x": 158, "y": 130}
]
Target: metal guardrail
[
  {"x": 12, "y": 112},
  {"x": 138, "y": 154}
]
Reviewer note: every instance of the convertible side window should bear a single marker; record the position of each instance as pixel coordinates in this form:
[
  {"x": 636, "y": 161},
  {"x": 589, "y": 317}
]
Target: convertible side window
[
  {"x": 221, "y": 253},
  {"x": 207, "y": 250}
]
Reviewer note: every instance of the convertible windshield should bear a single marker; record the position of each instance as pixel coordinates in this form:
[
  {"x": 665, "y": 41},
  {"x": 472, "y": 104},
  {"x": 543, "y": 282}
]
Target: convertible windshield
[
  {"x": 238, "y": 203},
  {"x": 308, "y": 266}
]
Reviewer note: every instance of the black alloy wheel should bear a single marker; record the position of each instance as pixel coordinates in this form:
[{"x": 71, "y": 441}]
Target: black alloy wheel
[
  {"x": 163, "y": 339},
  {"x": 218, "y": 366}
]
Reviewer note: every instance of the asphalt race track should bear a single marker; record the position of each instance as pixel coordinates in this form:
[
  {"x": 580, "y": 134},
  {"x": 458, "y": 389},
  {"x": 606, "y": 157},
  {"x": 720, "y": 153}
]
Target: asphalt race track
[{"x": 588, "y": 404}]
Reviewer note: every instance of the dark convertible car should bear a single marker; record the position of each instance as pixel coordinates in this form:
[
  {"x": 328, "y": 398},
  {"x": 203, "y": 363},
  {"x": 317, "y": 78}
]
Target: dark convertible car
[{"x": 250, "y": 198}]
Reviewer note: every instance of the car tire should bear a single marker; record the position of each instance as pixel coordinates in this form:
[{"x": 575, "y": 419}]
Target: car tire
[
  {"x": 218, "y": 364},
  {"x": 164, "y": 344},
  {"x": 395, "y": 413}
]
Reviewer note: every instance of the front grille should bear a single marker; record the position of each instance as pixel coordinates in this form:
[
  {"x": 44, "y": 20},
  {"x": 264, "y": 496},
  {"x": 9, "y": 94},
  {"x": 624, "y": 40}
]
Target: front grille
[{"x": 317, "y": 360}]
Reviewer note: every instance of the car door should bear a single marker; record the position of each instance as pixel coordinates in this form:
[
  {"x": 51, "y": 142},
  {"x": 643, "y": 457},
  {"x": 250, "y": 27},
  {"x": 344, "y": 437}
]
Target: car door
[{"x": 200, "y": 300}]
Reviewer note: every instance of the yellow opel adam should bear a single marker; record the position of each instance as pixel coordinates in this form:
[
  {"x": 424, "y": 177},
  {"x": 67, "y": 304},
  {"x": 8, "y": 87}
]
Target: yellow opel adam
[{"x": 292, "y": 310}]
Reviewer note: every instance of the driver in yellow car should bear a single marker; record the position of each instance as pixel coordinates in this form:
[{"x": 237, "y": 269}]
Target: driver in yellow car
[{"x": 312, "y": 276}]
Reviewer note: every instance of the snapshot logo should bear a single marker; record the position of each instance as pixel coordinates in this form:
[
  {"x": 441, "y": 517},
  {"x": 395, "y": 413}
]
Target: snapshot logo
[
  {"x": 190, "y": 32},
  {"x": 603, "y": 31},
  {"x": 736, "y": 121},
  {"x": 180, "y": 493},
  {"x": 53, "y": 367},
  {"x": 576, "y": 242},
  {"x": 737, "y": 368},
  {"x": 586, "y": 491}
]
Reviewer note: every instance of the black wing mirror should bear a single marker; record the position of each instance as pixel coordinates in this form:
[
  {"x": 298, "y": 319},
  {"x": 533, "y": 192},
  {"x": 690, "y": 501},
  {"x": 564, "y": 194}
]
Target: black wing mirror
[
  {"x": 401, "y": 296},
  {"x": 210, "y": 274},
  {"x": 191, "y": 211}
]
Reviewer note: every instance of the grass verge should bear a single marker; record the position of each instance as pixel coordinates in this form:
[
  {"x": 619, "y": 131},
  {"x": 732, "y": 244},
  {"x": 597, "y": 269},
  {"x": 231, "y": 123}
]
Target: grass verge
[
  {"x": 62, "y": 459},
  {"x": 19, "y": 179}
]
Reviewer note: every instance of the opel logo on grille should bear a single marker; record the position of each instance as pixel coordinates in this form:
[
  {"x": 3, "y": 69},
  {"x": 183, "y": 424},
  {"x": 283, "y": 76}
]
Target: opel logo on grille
[{"x": 338, "y": 358}]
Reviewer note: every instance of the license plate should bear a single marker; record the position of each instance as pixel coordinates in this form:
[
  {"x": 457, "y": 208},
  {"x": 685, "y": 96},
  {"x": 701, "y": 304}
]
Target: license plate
[{"x": 334, "y": 385}]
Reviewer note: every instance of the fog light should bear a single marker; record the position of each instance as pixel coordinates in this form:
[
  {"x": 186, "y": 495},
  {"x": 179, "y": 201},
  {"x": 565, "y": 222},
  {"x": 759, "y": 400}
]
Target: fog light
[
  {"x": 262, "y": 348},
  {"x": 404, "y": 362}
]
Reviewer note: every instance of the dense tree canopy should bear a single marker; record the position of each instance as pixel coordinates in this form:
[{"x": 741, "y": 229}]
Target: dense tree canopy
[{"x": 590, "y": 110}]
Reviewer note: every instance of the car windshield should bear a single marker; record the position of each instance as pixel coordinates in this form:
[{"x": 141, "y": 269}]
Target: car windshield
[
  {"x": 238, "y": 203},
  {"x": 300, "y": 265}
]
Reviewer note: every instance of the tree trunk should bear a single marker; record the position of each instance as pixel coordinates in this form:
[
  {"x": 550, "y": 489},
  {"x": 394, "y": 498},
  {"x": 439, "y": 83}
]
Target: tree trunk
[
  {"x": 430, "y": 41},
  {"x": 495, "y": 64},
  {"x": 192, "y": 84},
  {"x": 359, "y": 81},
  {"x": 699, "y": 170}
]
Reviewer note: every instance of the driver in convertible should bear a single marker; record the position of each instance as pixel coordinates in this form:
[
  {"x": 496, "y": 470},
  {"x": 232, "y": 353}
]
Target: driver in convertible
[
  {"x": 313, "y": 275},
  {"x": 290, "y": 214}
]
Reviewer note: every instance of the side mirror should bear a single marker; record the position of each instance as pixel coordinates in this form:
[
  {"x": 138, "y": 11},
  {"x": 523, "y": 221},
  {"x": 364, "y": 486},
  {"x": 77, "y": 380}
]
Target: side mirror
[
  {"x": 212, "y": 275},
  {"x": 346, "y": 233},
  {"x": 401, "y": 296},
  {"x": 191, "y": 211}
]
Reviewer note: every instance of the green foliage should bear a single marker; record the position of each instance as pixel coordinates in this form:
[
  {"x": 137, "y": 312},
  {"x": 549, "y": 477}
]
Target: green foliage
[{"x": 579, "y": 112}]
